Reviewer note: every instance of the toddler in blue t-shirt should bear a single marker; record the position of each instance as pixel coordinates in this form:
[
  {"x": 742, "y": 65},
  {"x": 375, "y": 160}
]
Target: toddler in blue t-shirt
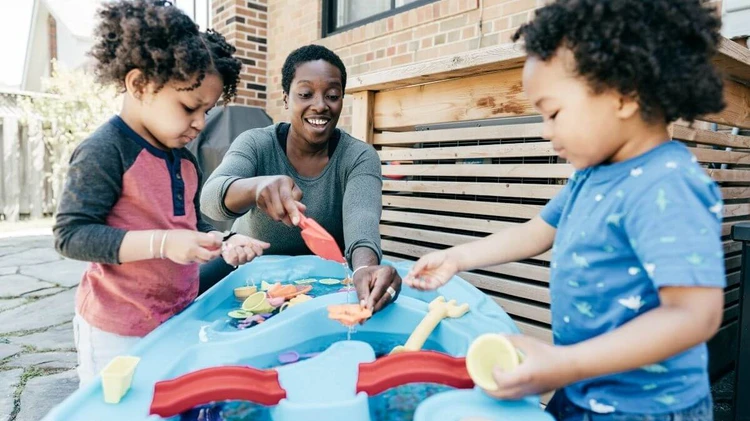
[{"x": 637, "y": 266}]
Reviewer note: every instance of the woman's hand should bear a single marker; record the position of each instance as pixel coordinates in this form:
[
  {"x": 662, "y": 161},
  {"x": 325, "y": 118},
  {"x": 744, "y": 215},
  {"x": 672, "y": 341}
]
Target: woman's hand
[
  {"x": 185, "y": 246},
  {"x": 240, "y": 249},
  {"x": 432, "y": 271},
  {"x": 377, "y": 286},
  {"x": 279, "y": 197},
  {"x": 544, "y": 368}
]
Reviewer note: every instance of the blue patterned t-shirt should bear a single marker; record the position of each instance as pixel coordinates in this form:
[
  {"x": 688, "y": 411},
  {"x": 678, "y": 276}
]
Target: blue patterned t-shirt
[{"x": 624, "y": 230}]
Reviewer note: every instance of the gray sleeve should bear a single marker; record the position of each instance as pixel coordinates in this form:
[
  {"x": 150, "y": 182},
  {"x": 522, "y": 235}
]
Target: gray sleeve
[
  {"x": 363, "y": 204},
  {"x": 92, "y": 187},
  {"x": 238, "y": 163},
  {"x": 201, "y": 224}
]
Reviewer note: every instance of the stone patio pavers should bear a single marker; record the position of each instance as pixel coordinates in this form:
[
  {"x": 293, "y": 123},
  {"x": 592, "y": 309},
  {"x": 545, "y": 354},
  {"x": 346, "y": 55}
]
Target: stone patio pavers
[{"x": 37, "y": 353}]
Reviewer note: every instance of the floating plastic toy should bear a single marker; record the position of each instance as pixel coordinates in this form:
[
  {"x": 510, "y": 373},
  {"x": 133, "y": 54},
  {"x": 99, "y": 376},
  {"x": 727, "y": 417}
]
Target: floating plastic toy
[
  {"x": 257, "y": 303},
  {"x": 242, "y": 293},
  {"x": 290, "y": 357},
  {"x": 287, "y": 291},
  {"x": 349, "y": 314},
  {"x": 295, "y": 301}
]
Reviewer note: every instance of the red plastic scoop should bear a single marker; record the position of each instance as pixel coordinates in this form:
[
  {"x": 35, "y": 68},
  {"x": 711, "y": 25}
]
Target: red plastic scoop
[{"x": 319, "y": 241}]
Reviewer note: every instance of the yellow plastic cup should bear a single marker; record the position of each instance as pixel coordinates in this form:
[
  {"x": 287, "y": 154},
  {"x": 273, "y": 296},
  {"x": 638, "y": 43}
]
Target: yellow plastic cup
[
  {"x": 242, "y": 293},
  {"x": 257, "y": 303},
  {"x": 294, "y": 301},
  {"x": 300, "y": 299},
  {"x": 117, "y": 377},
  {"x": 487, "y": 352}
]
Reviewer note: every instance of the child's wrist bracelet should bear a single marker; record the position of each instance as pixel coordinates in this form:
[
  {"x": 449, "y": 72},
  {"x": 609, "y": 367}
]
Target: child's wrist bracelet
[
  {"x": 163, "y": 241},
  {"x": 151, "y": 245}
]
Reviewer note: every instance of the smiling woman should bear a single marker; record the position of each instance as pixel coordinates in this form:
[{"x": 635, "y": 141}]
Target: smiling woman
[{"x": 271, "y": 175}]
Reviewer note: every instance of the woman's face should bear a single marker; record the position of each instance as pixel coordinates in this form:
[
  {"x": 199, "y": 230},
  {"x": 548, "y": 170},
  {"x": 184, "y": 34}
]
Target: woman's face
[{"x": 315, "y": 99}]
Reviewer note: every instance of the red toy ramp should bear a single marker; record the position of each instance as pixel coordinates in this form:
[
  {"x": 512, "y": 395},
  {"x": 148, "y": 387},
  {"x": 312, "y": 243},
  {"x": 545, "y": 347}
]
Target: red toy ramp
[
  {"x": 413, "y": 367},
  {"x": 175, "y": 396}
]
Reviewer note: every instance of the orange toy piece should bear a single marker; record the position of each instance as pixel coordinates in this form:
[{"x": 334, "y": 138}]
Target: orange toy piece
[
  {"x": 277, "y": 290},
  {"x": 287, "y": 291},
  {"x": 348, "y": 314}
]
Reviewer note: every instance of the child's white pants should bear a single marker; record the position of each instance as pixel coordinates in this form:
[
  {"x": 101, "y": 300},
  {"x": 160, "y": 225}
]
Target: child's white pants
[{"x": 96, "y": 348}]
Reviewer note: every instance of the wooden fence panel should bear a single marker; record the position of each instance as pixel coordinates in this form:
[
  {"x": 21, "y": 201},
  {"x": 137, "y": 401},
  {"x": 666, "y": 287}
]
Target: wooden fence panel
[
  {"x": 24, "y": 163},
  {"x": 448, "y": 186},
  {"x": 11, "y": 171}
]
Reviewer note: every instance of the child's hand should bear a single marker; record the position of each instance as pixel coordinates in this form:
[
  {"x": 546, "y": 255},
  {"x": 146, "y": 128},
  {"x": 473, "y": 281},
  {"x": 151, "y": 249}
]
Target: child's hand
[
  {"x": 432, "y": 271},
  {"x": 544, "y": 368},
  {"x": 240, "y": 249},
  {"x": 185, "y": 246}
]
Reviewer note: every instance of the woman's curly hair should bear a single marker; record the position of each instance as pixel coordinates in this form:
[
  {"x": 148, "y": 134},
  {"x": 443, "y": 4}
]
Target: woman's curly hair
[
  {"x": 658, "y": 51},
  {"x": 164, "y": 43}
]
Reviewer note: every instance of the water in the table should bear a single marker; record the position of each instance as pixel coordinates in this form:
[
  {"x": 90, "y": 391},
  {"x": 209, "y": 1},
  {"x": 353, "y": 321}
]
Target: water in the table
[
  {"x": 348, "y": 275},
  {"x": 218, "y": 321},
  {"x": 394, "y": 404}
]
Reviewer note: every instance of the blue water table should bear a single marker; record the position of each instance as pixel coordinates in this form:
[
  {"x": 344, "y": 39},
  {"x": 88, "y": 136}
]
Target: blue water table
[{"x": 299, "y": 364}]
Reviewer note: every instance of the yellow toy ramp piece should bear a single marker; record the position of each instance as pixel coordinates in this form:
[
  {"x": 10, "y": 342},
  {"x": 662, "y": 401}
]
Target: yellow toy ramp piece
[
  {"x": 398, "y": 349},
  {"x": 455, "y": 312},
  {"x": 487, "y": 352},
  {"x": 117, "y": 377},
  {"x": 438, "y": 310},
  {"x": 449, "y": 309},
  {"x": 437, "y": 303}
]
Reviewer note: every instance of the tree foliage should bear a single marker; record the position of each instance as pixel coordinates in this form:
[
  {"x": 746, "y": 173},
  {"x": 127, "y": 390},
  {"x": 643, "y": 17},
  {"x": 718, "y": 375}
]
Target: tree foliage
[{"x": 72, "y": 107}]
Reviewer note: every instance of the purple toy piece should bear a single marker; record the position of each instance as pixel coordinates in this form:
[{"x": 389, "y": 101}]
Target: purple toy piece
[
  {"x": 289, "y": 357},
  {"x": 256, "y": 318}
]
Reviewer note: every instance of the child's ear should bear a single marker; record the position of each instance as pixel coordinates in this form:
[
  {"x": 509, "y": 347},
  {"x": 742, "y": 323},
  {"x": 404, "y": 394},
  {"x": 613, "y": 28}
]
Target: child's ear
[
  {"x": 286, "y": 101},
  {"x": 628, "y": 107},
  {"x": 135, "y": 83}
]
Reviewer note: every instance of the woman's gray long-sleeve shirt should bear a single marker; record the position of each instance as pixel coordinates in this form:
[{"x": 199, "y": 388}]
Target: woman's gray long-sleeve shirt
[{"x": 345, "y": 198}]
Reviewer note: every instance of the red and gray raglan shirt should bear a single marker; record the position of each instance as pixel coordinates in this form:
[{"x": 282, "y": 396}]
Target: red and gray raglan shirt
[{"x": 118, "y": 182}]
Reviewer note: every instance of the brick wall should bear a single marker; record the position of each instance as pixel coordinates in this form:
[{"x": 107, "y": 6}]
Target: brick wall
[
  {"x": 245, "y": 24},
  {"x": 434, "y": 30}
]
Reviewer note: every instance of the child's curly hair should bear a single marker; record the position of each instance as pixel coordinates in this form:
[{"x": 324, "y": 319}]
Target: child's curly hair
[
  {"x": 162, "y": 42},
  {"x": 658, "y": 51}
]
